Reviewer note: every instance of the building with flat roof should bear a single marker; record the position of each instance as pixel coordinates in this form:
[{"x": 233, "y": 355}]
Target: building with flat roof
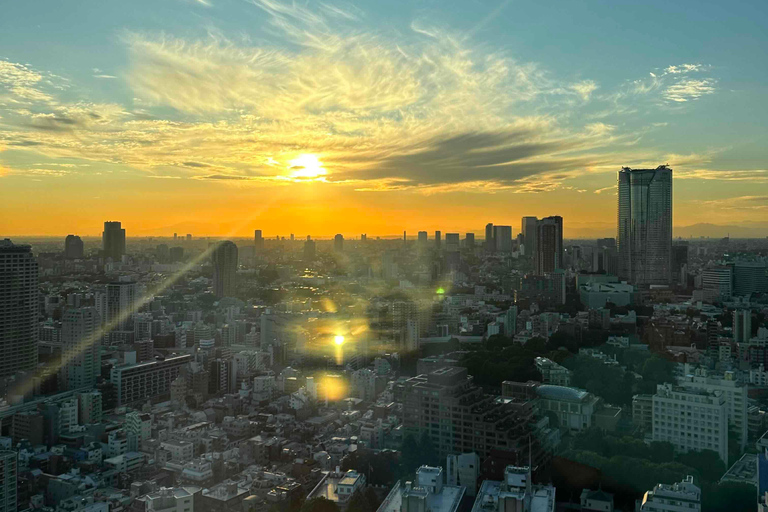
[
  {"x": 428, "y": 492},
  {"x": 679, "y": 497},
  {"x": 145, "y": 381},
  {"x": 338, "y": 486},
  {"x": 516, "y": 493}
]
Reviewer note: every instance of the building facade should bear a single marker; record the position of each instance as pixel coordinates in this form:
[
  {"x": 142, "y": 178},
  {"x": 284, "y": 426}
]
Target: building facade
[{"x": 18, "y": 308}]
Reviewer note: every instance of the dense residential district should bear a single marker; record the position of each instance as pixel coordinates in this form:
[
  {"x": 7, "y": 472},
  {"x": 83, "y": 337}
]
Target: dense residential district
[{"x": 435, "y": 372}]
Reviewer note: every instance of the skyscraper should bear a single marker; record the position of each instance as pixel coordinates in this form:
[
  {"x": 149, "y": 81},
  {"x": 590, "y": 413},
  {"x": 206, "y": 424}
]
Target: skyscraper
[
  {"x": 258, "y": 240},
  {"x": 73, "y": 247},
  {"x": 644, "y": 231},
  {"x": 502, "y": 238},
  {"x": 528, "y": 229},
  {"x": 469, "y": 240},
  {"x": 423, "y": 238},
  {"x": 338, "y": 243},
  {"x": 80, "y": 347},
  {"x": 224, "y": 258},
  {"x": 549, "y": 245},
  {"x": 489, "y": 245},
  {"x": 116, "y": 309},
  {"x": 309, "y": 250},
  {"x": 18, "y": 308},
  {"x": 113, "y": 240},
  {"x": 438, "y": 239}
]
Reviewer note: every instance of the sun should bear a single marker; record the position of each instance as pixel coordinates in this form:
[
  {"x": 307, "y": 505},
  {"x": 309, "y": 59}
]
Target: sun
[
  {"x": 339, "y": 340},
  {"x": 306, "y": 166}
]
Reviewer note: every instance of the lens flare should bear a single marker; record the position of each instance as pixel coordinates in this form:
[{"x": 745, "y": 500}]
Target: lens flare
[{"x": 339, "y": 340}]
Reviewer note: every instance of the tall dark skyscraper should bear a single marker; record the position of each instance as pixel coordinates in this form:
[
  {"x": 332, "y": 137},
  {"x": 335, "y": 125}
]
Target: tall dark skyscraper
[
  {"x": 113, "y": 240},
  {"x": 489, "y": 243},
  {"x": 224, "y": 259},
  {"x": 644, "y": 231},
  {"x": 438, "y": 239},
  {"x": 469, "y": 240},
  {"x": 309, "y": 250},
  {"x": 258, "y": 240},
  {"x": 549, "y": 245},
  {"x": 18, "y": 308},
  {"x": 73, "y": 247},
  {"x": 528, "y": 230},
  {"x": 116, "y": 308},
  {"x": 338, "y": 243},
  {"x": 502, "y": 238}
]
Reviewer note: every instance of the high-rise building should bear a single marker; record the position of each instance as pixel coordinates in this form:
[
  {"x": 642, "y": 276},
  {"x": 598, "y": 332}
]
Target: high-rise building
[
  {"x": 438, "y": 239},
  {"x": 309, "y": 250},
  {"x": 18, "y": 308},
  {"x": 469, "y": 241},
  {"x": 549, "y": 245},
  {"x": 81, "y": 343},
  {"x": 452, "y": 242},
  {"x": 113, "y": 240},
  {"x": 528, "y": 230},
  {"x": 144, "y": 381},
  {"x": 258, "y": 240},
  {"x": 116, "y": 309},
  {"x": 750, "y": 277},
  {"x": 338, "y": 243},
  {"x": 73, "y": 247},
  {"x": 502, "y": 238},
  {"x": 644, "y": 232},
  {"x": 423, "y": 238},
  {"x": 717, "y": 283},
  {"x": 224, "y": 258},
  {"x": 9, "y": 483},
  {"x": 742, "y": 325},
  {"x": 489, "y": 244}
]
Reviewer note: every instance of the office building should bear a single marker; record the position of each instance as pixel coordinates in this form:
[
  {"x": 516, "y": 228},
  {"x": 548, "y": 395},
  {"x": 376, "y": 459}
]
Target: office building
[
  {"x": 73, "y": 247},
  {"x": 309, "y": 250},
  {"x": 9, "y": 483},
  {"x": 644, "y": 231},
  {"x": 742, "y": 325},
  {"x": 679, "y": 258},
  {"x": 18, "y": 308},
  {"x": 426, "y": 493},
  {"x": 438, "y": 240},
  {"x": 528, "y": 230},
  {"x": 452, "y": 242},
  {"x": 516, "y": 492},
  {"x": 489, "y": 243},
  {"x": 469, "y": 241},
  {"x": 549, "y": 245},
  {"x": 597, "y": 295},
  {"x": 463, "y": 470},
  {"x": 459, "y": 418},
  {"x": 176, "y": 254},
  {"x": 734, "y": 391},
  {"x": 679, "y": 497},
  {"x": 502, "y": 238},
  {"x": 338, "y": 243},
  {"x": 422, "y": 238},
  {"x": 224, "y": 259},
  {"x": 81, "y": 342},
  {"x": 258, "y": 240},
  {"x": 750, "y": 277},
  {"x": 691, "y": 419},
  {"x": 717, "y": 283},
  {"x": 90, "y": 405},
  {"x": 116, "y": 308},
  {"x": 113, "y": 240},
  {"x": 145, "y": 381}
]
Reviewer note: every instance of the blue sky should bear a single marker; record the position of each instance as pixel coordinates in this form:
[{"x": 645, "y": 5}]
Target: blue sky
[{"x": 522, "y": 103}]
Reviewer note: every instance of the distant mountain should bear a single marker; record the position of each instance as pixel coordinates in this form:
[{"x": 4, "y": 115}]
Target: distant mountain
[{"x": 745, "y": 230}]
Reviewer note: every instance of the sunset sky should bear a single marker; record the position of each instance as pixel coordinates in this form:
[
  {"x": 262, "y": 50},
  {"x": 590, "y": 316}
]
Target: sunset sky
[{"x": 217, "y": 117}]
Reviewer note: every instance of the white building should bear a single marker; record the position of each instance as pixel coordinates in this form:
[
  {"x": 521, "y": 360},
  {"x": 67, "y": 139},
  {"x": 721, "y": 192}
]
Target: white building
[
  {"x": 338, "y": 486},
  {"x": 89, "y": 407},
  {"x": 691, "y": 419},
  {"x": 679, "y": 497},
  {"x": 427, "y": 493},
  {"x": 553, "y": 373},
  {"x": 735, "y": 394},
  {"x": 463, "y": 471},
  {"x": 181, "y": 451},
  {"x": 516, "y": 493}
]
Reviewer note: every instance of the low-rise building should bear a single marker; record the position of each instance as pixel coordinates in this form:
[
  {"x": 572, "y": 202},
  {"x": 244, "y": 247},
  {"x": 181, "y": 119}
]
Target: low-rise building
[{"x": 679, "y": 497}]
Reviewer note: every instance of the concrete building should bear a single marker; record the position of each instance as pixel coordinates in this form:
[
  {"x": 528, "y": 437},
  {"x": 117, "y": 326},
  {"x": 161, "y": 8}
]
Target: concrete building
[
  {"x": 573, "y": 407},
  {"x": 113, "y": 241},
  {"x": 596, "y": 501},
  {"x": 642, "y": 411},
  {"x": 597, "y": 295},
  {"x": 90, "y": 407},
  {"x": 171, "y": 499},
  {"x": 145, "y": 381},
  {"x": 502, "y": 238},
  {"x": 553, "y": 373},
  {"x": 515, "y": 493},
  {"x": 528, "y": 230},
  {"x": 691, "y": 419},
  {"x": 717, "y": 283},
  {"x": 644, "y": 231},
  {"x": 73, "y": 247},
  {"x": 8, "y": 482},
  {"x": 338, "y": 486},
  {"x": 734, "y": 391},
  {"x": 81, "y": 347},
  {"x": 679, "y": 497},
  {"x": 549, "y": 245},
  {"x": 463, "y": 471},
  {"x": 742, "y": 325},
  {"x": 427, "y": 493},
  {"x": 116, "y": 308},
  {"x": 18, "y": 308},
  {"x": 224, "y": 259},
  {"x": 750, "y": 277}
]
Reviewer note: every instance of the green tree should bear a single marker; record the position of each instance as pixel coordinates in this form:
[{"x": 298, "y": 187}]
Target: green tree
[
  {"x": 320, "y": 504},
  {"x": 359, "y": 503}
]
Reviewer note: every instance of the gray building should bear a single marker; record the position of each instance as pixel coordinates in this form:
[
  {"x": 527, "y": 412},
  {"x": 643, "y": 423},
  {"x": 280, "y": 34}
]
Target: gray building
[
  {"x": 224, "y": 259},
  {"x": 73, "y": 247},
  {"x": 113, "y": 240},
  {"x": 644, "y": 231},
  {"x": 81, "y": 341},
  {"x": 18, "y": 308}
]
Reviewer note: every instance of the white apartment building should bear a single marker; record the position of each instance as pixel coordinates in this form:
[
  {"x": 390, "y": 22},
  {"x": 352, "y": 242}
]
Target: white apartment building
[
  {"x": 679, "y": 497},
  {"x": 735, "y": 394},
  {"x": 691, "y": 419}
]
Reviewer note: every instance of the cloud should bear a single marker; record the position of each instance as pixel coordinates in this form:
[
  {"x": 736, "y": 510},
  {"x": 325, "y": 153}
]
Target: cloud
[
  {"x": 738, "y": 203},
  {"x": 689, "y": 89}
]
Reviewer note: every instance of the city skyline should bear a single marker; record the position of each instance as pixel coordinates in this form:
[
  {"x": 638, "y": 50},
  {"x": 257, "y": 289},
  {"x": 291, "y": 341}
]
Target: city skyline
[{"x": 208, "y": 115}]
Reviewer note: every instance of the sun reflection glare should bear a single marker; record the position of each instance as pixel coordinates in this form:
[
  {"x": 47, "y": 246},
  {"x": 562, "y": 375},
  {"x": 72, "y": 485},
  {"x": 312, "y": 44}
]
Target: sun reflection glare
[{"x": 306, "y": 166}]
